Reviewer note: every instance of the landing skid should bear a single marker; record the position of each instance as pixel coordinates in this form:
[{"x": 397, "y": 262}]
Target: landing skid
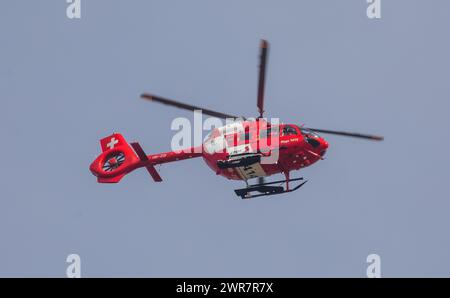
[{"x": 265, "y": 189}]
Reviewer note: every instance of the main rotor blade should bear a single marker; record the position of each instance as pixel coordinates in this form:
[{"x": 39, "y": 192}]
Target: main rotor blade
[
  {"x": 349, "y": 134},
  {"x": 185, "y": 106},
  {"x": 262, "y": 76}
]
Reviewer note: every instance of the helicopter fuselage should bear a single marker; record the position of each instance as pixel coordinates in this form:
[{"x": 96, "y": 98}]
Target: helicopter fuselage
[{"x": 270, "y": 149}]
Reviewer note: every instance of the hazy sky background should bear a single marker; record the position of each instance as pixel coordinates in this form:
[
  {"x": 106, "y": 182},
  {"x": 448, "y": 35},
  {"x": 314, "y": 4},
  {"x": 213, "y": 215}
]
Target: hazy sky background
[{"x": 64, "y": 84}]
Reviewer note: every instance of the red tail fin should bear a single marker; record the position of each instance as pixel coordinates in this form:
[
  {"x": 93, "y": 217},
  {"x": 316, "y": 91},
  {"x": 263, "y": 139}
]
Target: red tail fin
[{"x": 114, "y": 141}]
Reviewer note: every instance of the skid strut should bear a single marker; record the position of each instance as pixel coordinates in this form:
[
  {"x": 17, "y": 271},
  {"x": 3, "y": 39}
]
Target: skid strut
[{"x": 267, "y": 189}]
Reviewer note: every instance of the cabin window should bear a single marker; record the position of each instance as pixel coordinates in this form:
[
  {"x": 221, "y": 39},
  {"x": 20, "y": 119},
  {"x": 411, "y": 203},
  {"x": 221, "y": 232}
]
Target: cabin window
[
  {"x": 231, "y": 140},
  {"x": 313, "y": 142},
  {"x": 267, "y": 133},
  {"x": 309, "y": 132},
  {"x": 264, "y": 133}
]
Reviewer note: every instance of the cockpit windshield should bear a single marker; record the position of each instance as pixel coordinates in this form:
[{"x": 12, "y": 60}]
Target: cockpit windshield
[{"x": 311, "y": 137}]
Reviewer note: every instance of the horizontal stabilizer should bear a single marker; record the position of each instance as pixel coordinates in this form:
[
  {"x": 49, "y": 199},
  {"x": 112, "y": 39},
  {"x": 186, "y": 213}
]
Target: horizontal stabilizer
[
  {"x": 143, "y": 157},
  {"x": 152, "y": 171}
]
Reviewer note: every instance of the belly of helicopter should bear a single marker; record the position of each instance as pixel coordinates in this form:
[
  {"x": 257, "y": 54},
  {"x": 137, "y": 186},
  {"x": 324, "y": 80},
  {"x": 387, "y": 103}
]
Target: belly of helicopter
[{"x": 251, "y": 171}]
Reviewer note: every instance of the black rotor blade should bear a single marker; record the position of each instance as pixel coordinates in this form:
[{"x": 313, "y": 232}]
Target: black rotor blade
[
  {"x": 349, "y": 134},
  {"x": 262, "y": 76},
  {"x": 185, "y": 106}
]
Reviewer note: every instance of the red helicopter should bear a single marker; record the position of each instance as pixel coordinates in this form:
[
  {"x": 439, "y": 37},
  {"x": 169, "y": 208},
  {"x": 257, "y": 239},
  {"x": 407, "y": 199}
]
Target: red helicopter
[{"x": 241, "y": 150}]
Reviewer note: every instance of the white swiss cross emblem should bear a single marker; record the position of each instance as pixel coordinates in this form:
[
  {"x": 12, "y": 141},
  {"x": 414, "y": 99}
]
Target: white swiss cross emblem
[{"x": 112, "y": 143}]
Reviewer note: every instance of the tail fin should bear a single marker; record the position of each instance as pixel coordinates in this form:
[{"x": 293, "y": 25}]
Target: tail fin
[
  {"x": 118, "y": 159},
  {"x": 114, "y": 141}
]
